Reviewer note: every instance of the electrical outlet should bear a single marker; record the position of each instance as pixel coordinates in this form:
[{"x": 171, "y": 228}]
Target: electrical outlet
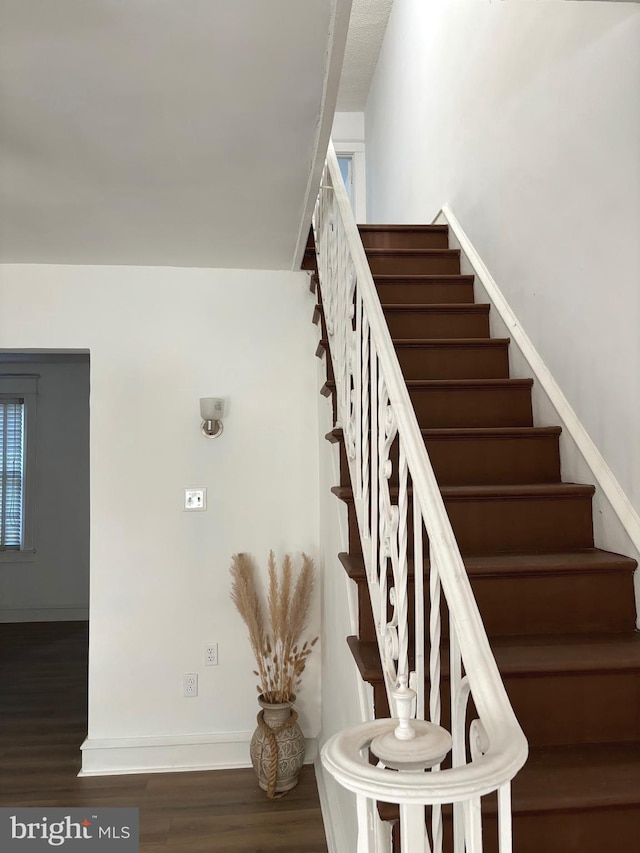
[
  {"x": 190, "y": 684},
  {"x": 211, "y": 654}
]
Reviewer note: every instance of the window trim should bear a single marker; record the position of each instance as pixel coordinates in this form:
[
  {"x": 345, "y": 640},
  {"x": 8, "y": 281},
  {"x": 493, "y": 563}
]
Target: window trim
[
  {"x": 25, "y": 386},
  {"x": 356, "y": 150}
]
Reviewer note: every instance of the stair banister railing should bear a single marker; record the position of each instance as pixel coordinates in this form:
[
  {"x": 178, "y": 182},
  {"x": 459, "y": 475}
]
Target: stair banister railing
[{"x": 382, "y": 438}]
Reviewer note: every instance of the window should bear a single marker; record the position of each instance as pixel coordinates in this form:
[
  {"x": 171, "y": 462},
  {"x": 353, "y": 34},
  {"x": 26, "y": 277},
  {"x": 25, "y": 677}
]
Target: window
[
  {"x": 345, "y": 161},
  {"x": 17, "y": 459},
  {"x": 350, "y": 156},
  {"x": 11, "y": 473}
]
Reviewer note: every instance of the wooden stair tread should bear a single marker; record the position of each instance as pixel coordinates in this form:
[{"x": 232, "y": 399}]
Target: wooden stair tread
[
  {"x": 309, "y": 259},
  {"x": 410, "y": 253},
  {"x": 526, "y": 655},
  {"x": 419, "y": 278},
  {"x": 438, "y": 307},
  {"x": 584, "y": 776},
  {"x": 454, "y": 384},
  {"x": 482, "y": 454},
  {"x": 532, "y": 490},
  {"x": 579, "y": 561},
  {"x": 404, "y": 343},
  {"x": 468, "y": 383},
  {"x": 404, "y": 236},
  {"x": 562, "y": 562},
  {"x": 365, "y": 654},
  {"x": 459, "y": 433},
  {"x": 450, "y": 343},
  {"x": 401, "y": 228},
  {"x": 518, "y": 491},
  {"x": 492, "y": 432}
]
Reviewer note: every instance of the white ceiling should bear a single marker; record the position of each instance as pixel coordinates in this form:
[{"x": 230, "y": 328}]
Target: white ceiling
[
  {"x": 160, "y": 132},
  {"x": 366, "y": 31}
]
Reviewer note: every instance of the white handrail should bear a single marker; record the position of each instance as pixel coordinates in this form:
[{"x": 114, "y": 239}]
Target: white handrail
[{"x": 377, "y": 415}]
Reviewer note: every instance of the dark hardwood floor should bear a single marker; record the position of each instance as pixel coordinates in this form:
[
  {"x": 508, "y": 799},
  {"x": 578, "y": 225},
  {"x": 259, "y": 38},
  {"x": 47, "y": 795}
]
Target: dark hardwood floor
[{"x": 43, "y": 721}]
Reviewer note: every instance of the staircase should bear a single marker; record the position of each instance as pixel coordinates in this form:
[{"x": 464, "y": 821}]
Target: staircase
[{"x": 559, "y": 612}]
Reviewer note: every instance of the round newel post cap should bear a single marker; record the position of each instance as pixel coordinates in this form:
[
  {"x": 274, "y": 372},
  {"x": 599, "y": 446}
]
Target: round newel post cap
[{"x": 412, "y": 744}]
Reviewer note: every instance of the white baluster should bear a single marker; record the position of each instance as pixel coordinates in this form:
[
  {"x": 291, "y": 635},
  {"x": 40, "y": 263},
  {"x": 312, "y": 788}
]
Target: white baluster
[
  {"x": 382, "y": 546},
  {"x": 458, "y": 752},
  {"x": 374, "y": 469},
  {"x": 344, "y": 354},
  {"x": 473, "y": 825},
  {"x": 419, "y": 603},
  {"x": 357, "y": 414},
  {"x": 401, "y": 582},
  {"x": 390, "y": 516},
  {"x": 504, "y": 819},
  {"x": 437, "y": 829},
  {"x": 384, "y": 508},
  {"x": 455, "y": 678},
  {"x": 353, "y": 382},
  {"x": 413, "y": 836},
  {"x": 364, "y": 424},
  {"x": 366, "y": 831},
  {"x": 435, "y": 632},
  {"x": 434, "y": 642}
]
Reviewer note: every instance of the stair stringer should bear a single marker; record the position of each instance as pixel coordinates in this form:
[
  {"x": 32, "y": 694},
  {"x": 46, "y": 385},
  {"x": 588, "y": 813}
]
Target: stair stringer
[
  {"x": 616, "y": 524},
  {"x": 347, "y": 699}
]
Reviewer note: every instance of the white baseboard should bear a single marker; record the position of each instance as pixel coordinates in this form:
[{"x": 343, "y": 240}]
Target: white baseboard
[
  {"x": 44, "y": 614},
  {"x": 118, "y": 756},
  {"x": 616, "y": 522}
]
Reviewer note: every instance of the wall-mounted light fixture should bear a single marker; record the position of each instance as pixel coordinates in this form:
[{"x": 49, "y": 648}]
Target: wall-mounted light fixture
[{"x": 211, "y": 412}]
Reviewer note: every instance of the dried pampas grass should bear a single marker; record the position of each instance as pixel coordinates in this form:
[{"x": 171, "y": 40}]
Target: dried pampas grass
[{"x": 280, "y": 657}]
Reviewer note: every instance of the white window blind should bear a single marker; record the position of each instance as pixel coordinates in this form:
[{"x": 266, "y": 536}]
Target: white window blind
[{"x": 11, "y": 473}]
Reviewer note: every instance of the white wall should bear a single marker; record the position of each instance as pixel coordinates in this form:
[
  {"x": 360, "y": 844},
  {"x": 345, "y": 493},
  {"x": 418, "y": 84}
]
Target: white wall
[
  {"x": 347, "y": 135},
  {"x": 348, "y": 127},
  {"x": 343, "y": 691},
  {"x": 54, "y": 585},
  {"x": 161, "y": 338},
  {"x": 525, "y": 118}
]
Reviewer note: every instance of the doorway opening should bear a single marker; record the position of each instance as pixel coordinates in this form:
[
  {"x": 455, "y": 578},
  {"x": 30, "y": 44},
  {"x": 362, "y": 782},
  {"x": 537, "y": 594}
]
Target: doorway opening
[{"x": 44, "y": 548}]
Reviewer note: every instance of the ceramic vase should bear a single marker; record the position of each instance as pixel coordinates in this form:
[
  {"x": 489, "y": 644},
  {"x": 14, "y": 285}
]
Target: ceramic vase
[{"x": 286, "y": 735}]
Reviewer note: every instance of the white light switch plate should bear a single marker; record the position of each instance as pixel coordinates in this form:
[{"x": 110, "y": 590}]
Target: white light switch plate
[{"x": 195, "y": 499}]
